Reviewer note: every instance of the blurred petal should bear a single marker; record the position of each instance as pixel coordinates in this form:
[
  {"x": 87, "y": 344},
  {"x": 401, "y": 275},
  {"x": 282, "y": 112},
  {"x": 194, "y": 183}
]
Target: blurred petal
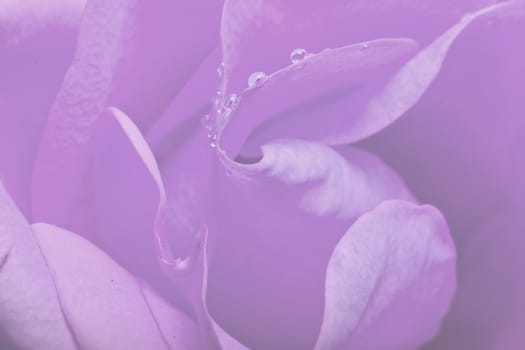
[
  {"x": 94, "y": 291},
  {"x": 37, "y": 42},
  {"x": 122, "y": 60},
  {"x": 461, "y": 148},
  {"x": 190, "y": 104},
  {"x": 489, "y": 302},
  {"x": 260, "y": 35},
  {"x": 273, "y": 226},
  {"x": 30, "y": 310},
  {"x": 389, "y": 280}
]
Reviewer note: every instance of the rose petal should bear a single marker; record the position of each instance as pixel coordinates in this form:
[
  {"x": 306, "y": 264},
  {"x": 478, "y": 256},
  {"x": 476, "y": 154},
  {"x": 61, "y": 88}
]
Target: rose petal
[
  {"x": 389, "y": 280},
  {"x": 127, "y": 193},
  {"x": 114, "y": 65},
  {"x": 273, "y": 226},
  {"x": 30, "y": 310},
  {"x": 191, "y": 104},
  {"x": 260, "y": 35},
  {"x": 37, "y": 41},
  {"x": 288, "y": 93},
  {"x": 94, "y": 290},
  {"x": 489, "y": 300},
  {"x": 352, "y": 109}
]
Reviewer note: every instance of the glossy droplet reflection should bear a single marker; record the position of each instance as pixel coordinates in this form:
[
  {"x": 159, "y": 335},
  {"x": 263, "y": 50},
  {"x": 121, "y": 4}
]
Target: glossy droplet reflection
[
  {"x": 257, "y": 79},
  {"x": 206, "y": 122},
  {"x": 213, "y": 140},
  {"x": 298, "y": 55},
  {"x": 220, "y": 69},
  {"x": 231, "y": 101}
]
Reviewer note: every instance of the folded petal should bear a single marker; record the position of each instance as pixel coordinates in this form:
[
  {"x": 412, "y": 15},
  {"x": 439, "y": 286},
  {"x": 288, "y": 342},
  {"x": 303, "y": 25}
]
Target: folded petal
[
  {"x": 273, "y": 225},
  {"x": 30, "y": 311},
  {"x": 37, "y": 42},
  {"x": 105, "y": 306},
  {"x": 389, "y": 280},
  {"x": 260, "y": 35},
  {"x": 124, "y": 60}
]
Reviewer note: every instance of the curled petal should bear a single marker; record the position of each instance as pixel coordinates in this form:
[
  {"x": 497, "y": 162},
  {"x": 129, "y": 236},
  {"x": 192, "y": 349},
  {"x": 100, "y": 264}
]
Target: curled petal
[
  {"x": 389, "y": 280},
  {"x": 127, "y": 194},
  {"x": 358, "y": 90},
  {"x": 273, "y": 225},
  {"x": 281, "y": 104}
]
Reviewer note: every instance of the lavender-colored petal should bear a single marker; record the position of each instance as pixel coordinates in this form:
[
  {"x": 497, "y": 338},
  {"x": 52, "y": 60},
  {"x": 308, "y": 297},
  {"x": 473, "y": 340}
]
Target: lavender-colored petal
[
  {"x": 37, "y": 41},
  {"x": 282, "y": 106},
  {"x": 273, "y": 226},
  {"x": 127, "y": 193},
  {"x": 353, "y": 104},
  {"x": 105, "y": 305},
  {"x": 461, "y": 148},
  {"x": 389, "y": 280}
]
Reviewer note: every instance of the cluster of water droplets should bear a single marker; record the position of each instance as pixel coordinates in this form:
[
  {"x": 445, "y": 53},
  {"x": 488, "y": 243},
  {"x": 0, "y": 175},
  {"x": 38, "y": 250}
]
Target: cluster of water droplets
[{"x": 223, "y": 106}]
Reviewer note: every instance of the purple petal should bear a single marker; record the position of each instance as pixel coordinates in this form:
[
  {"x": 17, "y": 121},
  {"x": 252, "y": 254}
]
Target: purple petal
[
  {"x": 389, "y": 280},
  {"x": 115, "y": 65},
  {"x": 94, "y": 290},
  {"x": 280, "y": 106},
  {"x": 273, "y": 226},
  {"x": 461, "y": 148},
  {"x": 30, "y": 310},
  {"x": 127, "y": 194},
  {"x": 37, "y": 41}
]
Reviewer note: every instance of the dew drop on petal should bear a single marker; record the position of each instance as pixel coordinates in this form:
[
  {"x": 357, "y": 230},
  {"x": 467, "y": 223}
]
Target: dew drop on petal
[
  {"x": 220, "y": 69},
  {"x": 256, "y": 79},
  {"x": 213, "y": 140},
  {"x": 231, "y": 101},
  {"x": 298, "y": 55},
  {"x": 364, "y": 46},
  {"x": 206, "y": 121}
]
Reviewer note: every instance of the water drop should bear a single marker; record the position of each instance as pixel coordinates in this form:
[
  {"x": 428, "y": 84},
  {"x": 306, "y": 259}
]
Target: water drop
[
  {"x": 206, "y": 121},
  {"x": 220, "y": 69},
  {"x": 231, "y": 101},
  {"x": 298, "y": 55},
  {"x": 213, "y": 140},
  {"x": 364, "y": 46},
  {"x": 256, "y": 79}
]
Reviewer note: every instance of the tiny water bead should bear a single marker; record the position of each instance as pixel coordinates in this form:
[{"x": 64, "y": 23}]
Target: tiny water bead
[
  {"x": 231, "y": 101},
  {"x": 298, "y": 55},
  {"x": 257, "y": 79},
  {"x": 213, "y": 140},
  {"x": 220, "y": 69},
  {"x": 364, "y": 46},
  {"x": 206, "y": 122}
]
